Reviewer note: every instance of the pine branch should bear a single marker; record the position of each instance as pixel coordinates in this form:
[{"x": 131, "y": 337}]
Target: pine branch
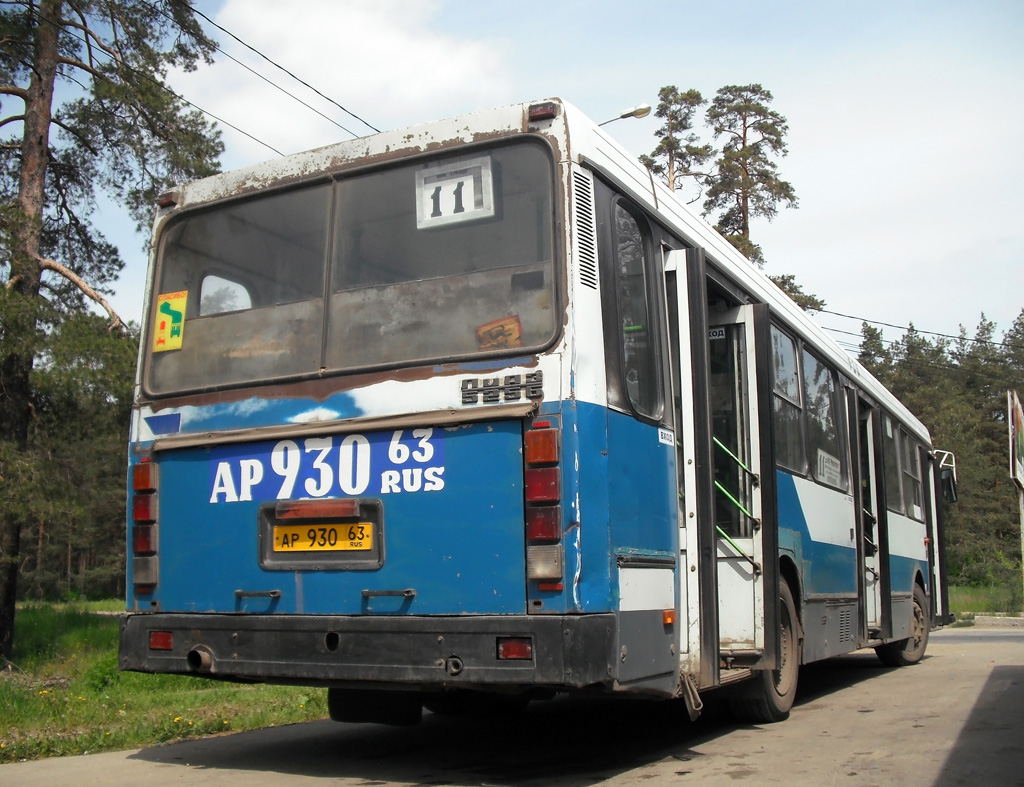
[{"x": 78, "y": 281}]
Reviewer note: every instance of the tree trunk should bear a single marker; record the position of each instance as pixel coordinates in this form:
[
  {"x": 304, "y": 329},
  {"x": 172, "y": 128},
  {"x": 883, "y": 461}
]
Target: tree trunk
[{"x": 20, "y": 319}]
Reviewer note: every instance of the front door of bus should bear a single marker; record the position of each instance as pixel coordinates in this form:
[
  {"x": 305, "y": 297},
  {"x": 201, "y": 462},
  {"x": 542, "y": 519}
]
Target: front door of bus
[{"x": 739, "y": 469}]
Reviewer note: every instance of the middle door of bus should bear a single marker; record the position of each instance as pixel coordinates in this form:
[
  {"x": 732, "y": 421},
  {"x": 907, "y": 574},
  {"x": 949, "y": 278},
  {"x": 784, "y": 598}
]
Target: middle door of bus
[
  {"x": 727, "y": 511},
  {"x": 742, "y": 513}
]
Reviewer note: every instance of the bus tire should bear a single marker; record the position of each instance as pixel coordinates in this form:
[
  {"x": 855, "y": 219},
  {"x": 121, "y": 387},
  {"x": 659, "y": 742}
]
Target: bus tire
[
  {"x": 769, "y": 696},
  {"x": 910, "y": 651}
]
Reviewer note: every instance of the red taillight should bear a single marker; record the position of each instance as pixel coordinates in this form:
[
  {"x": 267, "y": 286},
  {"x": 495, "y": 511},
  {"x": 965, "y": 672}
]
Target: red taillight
[
  {"x": 543, "y": 484},
  {"x": 144, "y": 507},
  {"x": 517, "y": 648},
  {"x": 161, "y": 640},
  {"x": 145, "y": 565},
  {"x": 547, "y": 110},
  {"x": 542, "y": 489},
  {"x": 144, "y": 539},
  {"x": 316, "y": 509},
  {"x": 544, "y": 523}
]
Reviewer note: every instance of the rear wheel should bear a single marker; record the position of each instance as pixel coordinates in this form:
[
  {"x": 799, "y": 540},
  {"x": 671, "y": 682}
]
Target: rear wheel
[
  {"x": 907, "y": 652},
  {"x": 769, "y": 696}
]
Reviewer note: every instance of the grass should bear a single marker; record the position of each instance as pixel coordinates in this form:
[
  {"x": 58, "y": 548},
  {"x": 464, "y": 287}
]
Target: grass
[
  {"x": 966, "y": 602},
  {"x": 64, "y": 694}
]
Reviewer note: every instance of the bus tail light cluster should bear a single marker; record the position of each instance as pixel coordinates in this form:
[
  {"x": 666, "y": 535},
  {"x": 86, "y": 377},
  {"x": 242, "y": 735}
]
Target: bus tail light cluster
[
  {"x": 543, "y": 492},
  {"x": 145, "y": 524}
]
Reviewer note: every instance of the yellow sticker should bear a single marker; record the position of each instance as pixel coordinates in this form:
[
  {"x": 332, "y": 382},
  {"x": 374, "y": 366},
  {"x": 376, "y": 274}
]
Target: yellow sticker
[
  {"x": 505, "y": 332},
  {"x": 170, "y": 321}
]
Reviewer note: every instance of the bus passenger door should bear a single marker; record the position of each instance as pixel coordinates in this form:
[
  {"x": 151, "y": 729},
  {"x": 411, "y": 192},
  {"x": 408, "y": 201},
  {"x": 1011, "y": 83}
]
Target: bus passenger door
[
  {"x": 870, "y": 517},
  {"x": 746, "y": 551}
]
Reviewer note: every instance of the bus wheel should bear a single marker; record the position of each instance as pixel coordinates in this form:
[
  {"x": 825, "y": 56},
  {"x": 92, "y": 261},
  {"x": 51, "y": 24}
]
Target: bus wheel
[
  {"x": 769, "y": 696},
  {"x": 906, "y": 652}
]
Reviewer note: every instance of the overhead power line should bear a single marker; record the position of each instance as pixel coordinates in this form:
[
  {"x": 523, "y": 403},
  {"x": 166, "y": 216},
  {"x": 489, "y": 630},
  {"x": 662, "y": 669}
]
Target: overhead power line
[
  {"x": 256, "y": 73},
  {"x": 282, "y": 68},
  {"x": 35, "y": 12},
  {"x": 906, "y": 328}
]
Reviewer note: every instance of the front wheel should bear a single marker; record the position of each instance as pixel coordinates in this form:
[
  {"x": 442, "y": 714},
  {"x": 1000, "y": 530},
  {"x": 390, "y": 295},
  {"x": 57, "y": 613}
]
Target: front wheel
[
  {"x": 907, "y": 652},
  {"x": 769, "y": 696}
]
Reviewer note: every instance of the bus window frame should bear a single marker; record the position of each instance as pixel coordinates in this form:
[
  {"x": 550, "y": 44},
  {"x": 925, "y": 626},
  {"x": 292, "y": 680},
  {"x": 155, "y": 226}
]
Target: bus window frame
[{"x": 559, "y": 269}]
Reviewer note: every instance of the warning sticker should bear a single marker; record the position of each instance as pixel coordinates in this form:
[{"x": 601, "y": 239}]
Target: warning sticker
[
  {"x": 505, "y": 332},
  {"x": 170, "y": 321}
]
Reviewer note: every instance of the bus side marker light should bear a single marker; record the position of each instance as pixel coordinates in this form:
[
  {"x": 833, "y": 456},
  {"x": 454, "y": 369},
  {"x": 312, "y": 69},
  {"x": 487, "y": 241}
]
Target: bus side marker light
[
  {"x": 515, "y": 648},
  {"x": 668, "y": 617}
]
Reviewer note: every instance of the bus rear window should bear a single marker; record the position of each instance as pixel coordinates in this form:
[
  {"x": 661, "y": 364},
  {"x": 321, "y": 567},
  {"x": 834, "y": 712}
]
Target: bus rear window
[{"x": 433, "y": 260}]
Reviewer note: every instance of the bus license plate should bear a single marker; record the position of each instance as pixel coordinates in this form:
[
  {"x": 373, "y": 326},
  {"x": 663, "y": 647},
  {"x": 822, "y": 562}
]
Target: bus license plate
[{"x": 349, "y": 537}]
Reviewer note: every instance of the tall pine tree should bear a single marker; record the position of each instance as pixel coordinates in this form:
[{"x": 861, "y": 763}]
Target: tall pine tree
[{"x": 114, "y": 126}]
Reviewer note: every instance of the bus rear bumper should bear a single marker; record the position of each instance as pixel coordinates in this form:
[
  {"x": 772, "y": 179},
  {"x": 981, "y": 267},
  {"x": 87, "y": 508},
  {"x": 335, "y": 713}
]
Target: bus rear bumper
[{"x": 425, "y": 652}]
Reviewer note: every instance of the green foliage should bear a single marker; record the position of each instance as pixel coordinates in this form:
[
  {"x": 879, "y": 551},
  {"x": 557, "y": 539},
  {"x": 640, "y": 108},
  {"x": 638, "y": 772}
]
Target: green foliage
[
  {"x": 958, "y": 389},
  {"x": 746, "y": 184},
  {"x": 66, "y": 695},
  {"x": 787, "y": 283},
  {"x": 679, "y": 151},
  {"x": 86, "y": 108}
]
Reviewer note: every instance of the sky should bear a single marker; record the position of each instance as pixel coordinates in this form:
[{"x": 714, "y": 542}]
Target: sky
[{"x": 905, "y": 118}]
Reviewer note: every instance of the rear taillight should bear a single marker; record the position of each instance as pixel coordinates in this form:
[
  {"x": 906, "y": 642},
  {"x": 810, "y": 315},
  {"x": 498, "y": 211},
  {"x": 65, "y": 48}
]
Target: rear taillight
[
  {"x": 145, "y": 483},
  {"x": 543, "y": 493}
]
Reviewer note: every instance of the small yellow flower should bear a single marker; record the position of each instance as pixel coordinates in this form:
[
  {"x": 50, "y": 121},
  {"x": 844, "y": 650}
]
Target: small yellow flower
[{"x": 177, "y": 719}]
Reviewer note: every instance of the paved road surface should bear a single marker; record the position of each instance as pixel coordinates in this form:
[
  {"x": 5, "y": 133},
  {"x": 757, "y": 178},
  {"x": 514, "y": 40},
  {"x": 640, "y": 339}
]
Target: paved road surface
[{"x": 955, "y": 719}]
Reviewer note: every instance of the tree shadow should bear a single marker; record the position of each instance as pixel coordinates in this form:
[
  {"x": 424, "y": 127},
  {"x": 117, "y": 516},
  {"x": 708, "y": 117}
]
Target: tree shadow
[
  {"x": 988, "y": 749},
  {"x": 576, "y": 741}
]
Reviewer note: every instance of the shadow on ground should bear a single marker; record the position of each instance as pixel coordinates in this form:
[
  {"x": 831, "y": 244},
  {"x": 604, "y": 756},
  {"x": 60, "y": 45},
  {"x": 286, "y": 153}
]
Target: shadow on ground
[{"x": 571, "y": 741}]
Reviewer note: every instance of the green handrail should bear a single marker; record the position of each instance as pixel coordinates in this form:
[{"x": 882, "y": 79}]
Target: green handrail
[{"x": 734, "y": 545}]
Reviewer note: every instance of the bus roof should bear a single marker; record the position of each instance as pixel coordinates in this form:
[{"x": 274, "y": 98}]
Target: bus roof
[{"x": 576, "y": 138}]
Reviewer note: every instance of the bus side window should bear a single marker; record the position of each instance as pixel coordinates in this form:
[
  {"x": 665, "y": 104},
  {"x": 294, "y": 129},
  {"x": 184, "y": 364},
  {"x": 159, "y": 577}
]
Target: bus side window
[
  {"x": 637, "y": 320},
  {"x": 911, "y": 466},
  {"x": 890, "y": 458},
  {"x": 828, "y": 460},
  {"x": 786, "y": 411},
  {"x": 218, "y": 295}
]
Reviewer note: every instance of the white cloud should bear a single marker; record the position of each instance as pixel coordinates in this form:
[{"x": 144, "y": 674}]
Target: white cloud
[{"x": 381, "y": 59}]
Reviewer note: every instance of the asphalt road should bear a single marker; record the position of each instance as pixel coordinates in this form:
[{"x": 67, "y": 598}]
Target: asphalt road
[{"x": 955, "y": 719}]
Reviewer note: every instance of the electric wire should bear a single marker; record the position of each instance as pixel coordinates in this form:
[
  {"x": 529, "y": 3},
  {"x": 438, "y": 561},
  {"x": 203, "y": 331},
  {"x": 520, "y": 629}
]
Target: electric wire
[
  {"x": 282, "y": 68},
  {"x": 906, "y": 328},
  {"x": 256, "y": 73},
  {"x": 39, "y": 15}
]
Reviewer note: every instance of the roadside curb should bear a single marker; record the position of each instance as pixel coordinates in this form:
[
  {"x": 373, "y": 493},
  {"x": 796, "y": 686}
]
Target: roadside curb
[{"x": 998, "y": 621}]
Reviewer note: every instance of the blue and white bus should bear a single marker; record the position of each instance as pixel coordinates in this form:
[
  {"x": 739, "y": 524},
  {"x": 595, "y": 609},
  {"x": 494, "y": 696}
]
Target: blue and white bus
[{"x": 475, "y": 412}]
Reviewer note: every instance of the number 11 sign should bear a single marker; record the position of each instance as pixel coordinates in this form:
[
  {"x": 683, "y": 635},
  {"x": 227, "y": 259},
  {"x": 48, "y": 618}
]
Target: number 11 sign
[{"x": 453, "y": 192}]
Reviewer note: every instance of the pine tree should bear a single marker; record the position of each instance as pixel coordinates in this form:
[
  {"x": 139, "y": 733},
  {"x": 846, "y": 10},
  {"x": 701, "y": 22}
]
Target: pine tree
[
  {"x": 679, "y": 152},
  {"x": 746, "y": 183},
  {"x": 120, "y": 130}
]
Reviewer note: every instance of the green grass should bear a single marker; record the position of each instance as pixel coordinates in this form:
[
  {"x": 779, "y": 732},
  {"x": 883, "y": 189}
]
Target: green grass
[
  {"x": 965, "y": 602},
  {"x": 64, "y": 694}
]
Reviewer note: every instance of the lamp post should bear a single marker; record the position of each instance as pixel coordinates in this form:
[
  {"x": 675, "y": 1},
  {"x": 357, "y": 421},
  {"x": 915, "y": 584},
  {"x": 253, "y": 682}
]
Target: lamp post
[{"x": 641, "y": 111}]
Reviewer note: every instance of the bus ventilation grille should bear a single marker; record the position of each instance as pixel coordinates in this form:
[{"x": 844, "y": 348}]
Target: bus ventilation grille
[
  {"x": 845, "y": 626},
  {"x": 586, "y": 229}
]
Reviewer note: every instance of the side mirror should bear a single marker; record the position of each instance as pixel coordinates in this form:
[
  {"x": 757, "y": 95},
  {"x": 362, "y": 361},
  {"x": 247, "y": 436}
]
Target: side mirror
[{"x": 947, "y": 479}]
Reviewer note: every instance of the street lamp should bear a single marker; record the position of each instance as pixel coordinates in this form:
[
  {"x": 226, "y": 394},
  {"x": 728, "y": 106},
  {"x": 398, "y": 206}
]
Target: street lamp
[{"x": 641, "y": 111}]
